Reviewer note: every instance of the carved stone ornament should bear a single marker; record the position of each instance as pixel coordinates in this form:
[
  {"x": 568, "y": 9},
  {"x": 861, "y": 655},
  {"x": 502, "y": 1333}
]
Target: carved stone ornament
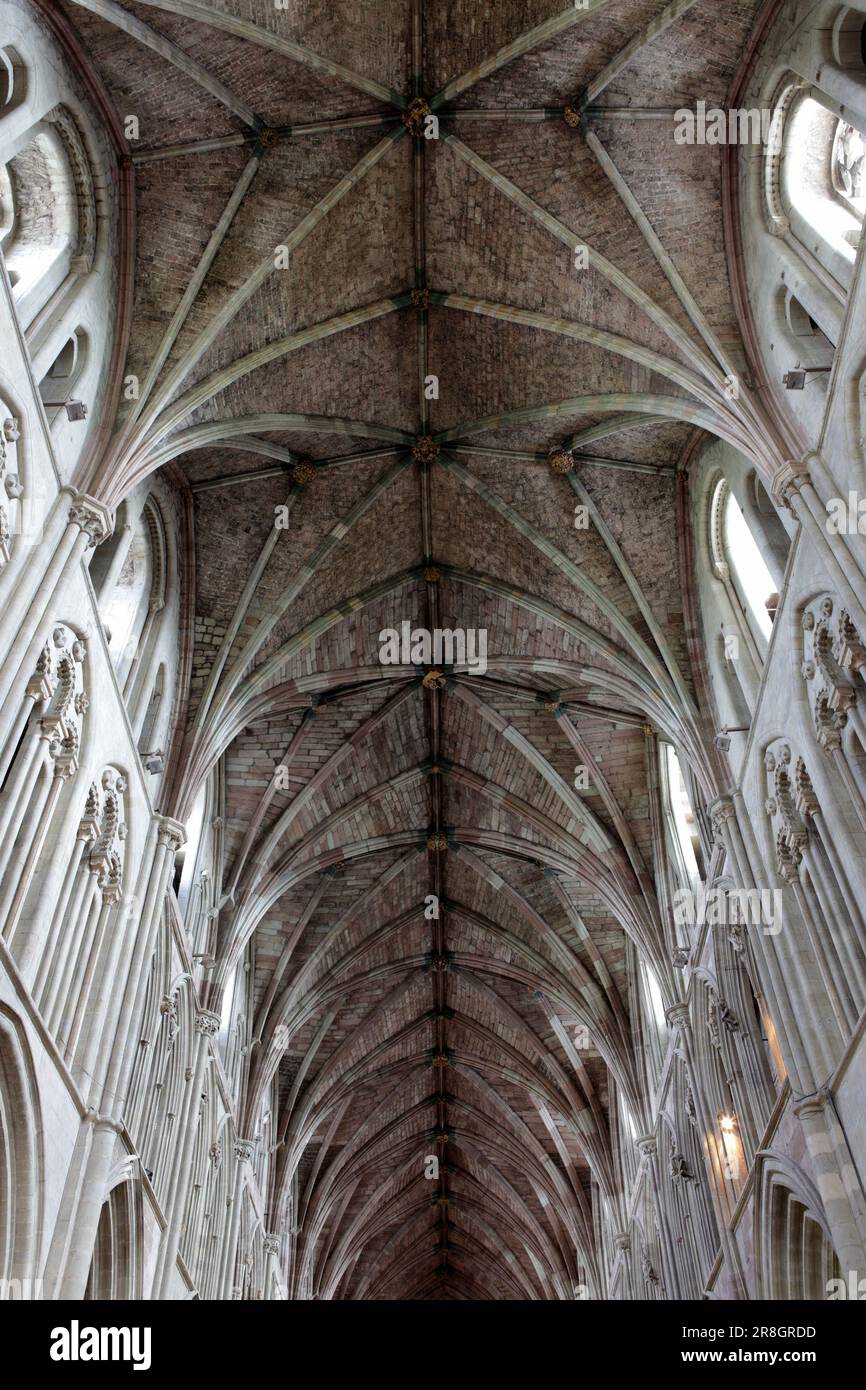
[
  {"x": 92, "y": 518},
  {"x": 168, "y": 1009},
  {"x": 303, "y": 473},
  {"x": 57, "y": 685},
  {"x": 832, "y": 660},
  {"x": 691, "y": 1112},
  {"x": 170, "y": 834},
  {"x": 737, "y": 938},
  {"x": 560, "y": 461},
  {"x": 648, "y": 1272},
  {"x": 104, "y": 810},
  {"x": 85, "y": 199},
  {"x": 719, "y": 1016},
  {"x": 680, "y": 1171},
  {"x": 12, "y": 487},
  {"x": 415, "y": 116},
  {"x": 207, "y": 1024},
  {"x": 787, "y": 808},
  {"x": 244, "y": 1150},
  {"x": 426, "y": 450}
]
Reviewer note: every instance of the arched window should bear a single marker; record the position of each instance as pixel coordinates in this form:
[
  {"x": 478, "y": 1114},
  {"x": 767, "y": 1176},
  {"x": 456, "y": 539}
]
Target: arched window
[
  {"x": 772, "y": 538},
  {"x": 688, "y": 851},
  {"x": 130, "y": 581},
  {"x": 849, "y": 39},
  {"x": 740, "y": 564},
  {"x": 187, "y": 856},
  {"x": 814, "y": 348},
  {"x": 848, "y": 170},
  {"x": 751, "y": 575},
  {"x": 125, "y": 612},
  {"x": 40, "y": 220},
  {"x": 655, "y": 1026},
  {"x": 822, "y": 187},
  {"x": 152, "y": 756},
  {"x": 58, "y": 384}
]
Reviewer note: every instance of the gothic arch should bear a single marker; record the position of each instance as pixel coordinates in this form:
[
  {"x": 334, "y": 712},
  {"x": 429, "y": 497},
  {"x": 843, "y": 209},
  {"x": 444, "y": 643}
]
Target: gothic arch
[
  {"x": 794, "y": 1256},
  {"x": 116, "y": 1267},
  {"x": 21, "y": 1162}
]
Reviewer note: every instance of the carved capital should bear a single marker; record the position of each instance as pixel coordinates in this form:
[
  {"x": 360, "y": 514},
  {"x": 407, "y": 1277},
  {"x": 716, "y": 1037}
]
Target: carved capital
[
  {"x": 92, "y": 518},
  {"x": 244, "y": 1150},
  {"x": 788, "y": 482},
  {"x": 678, "y": 1016},
  {"x": 207, "y": 1024},
  {"x": 272, "y": 1244},
  {"x": 647, "y": 1145},
  {"x": 723, "y": 811},
  {"x": 171, "y": 834}
]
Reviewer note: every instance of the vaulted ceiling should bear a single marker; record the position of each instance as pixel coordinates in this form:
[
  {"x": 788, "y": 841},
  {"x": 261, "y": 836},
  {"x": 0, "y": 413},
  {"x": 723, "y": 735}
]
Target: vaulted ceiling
[{"x": 396, "y": 1035}]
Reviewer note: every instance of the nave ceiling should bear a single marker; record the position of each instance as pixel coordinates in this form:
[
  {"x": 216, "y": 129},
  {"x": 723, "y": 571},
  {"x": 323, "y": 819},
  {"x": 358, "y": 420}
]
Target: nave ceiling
[{"x": 393, "y": 1035}]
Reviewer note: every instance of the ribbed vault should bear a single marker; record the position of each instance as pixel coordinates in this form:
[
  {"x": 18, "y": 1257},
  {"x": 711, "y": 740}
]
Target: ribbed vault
[{"x": 306, "y": 260}]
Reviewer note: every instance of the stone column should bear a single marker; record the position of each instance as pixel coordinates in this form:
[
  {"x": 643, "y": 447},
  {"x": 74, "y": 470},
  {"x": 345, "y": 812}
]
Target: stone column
[
  {"x": 731, "y": 816},
  {"x": 648, "y": 1147},
  {"x": 207, "y": 1026},
  {"x": 678, "y": 1018},
  {"x": 272, "y": 1255},
  {"x": 244, "y": 1150},
  {"x": 170, "y": 835},
  {"x": 622, "y": 1242}
]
